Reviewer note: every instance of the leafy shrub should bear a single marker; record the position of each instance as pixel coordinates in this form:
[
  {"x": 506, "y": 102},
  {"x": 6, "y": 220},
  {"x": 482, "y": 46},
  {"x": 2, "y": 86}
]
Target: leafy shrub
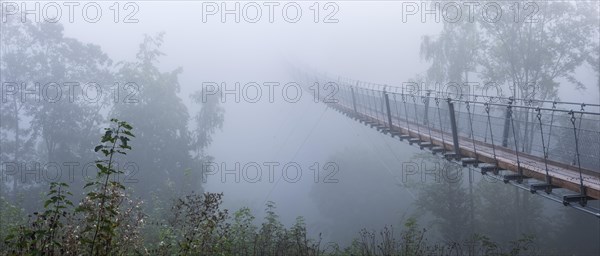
[{"x": 108, "y": 221}]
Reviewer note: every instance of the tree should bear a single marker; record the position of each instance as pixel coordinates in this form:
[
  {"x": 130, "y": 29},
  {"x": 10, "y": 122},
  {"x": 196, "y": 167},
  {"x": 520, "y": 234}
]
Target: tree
[
  {"x": 55, "y": 124},
  {"x": 160, "y": 118},
  {"x": 452, "y": 53},
  {"x": 534, "y": 53},
  {"x": 355, "y": 201},
  {"x": 531, "y": 54},
  {"x": 14, "y": 66},
  {"x": 207, "y": 120},
  {"x": 506, "y": 212},
  {"x": 447, "y": 199},
  {"x": 67, "y": 125}
]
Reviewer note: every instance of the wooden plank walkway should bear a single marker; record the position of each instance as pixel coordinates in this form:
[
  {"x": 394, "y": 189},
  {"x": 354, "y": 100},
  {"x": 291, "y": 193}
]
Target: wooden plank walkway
[{"x": 563, "y": 176}]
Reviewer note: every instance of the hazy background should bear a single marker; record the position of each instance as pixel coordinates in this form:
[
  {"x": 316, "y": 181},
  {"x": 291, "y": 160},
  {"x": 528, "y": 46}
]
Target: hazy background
[{"x": 369, "y": 43}]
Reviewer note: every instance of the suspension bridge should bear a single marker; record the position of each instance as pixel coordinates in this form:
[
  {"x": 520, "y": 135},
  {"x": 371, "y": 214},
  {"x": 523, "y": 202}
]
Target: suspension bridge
[{"x": 550, "y": 148}]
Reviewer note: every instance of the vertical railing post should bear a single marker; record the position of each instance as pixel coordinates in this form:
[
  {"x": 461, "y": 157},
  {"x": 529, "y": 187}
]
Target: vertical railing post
[
  {"x": 454, "y": 129},
  {"x": 507, "y": 123},
  {"x": 383, "y": 99},
  {"x": 389, "y": 113},
  {"x": 426, "y": 116},
  {"x": 353, "y": 100}
]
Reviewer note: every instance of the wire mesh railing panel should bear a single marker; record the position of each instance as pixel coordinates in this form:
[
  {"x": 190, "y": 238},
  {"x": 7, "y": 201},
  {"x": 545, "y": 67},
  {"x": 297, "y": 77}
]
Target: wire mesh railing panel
[
  {"x": 542, "y": 129},
  {"x": 542, "y": 136}
]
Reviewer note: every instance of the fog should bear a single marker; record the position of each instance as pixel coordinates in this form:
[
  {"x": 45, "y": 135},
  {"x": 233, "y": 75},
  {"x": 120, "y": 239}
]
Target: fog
[
  {"x": 362, "y": 180},
  {"x": 244, "y": 52}
]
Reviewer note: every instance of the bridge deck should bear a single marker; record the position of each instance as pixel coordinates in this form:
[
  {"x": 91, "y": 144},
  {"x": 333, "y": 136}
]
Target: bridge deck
[{"x": 563, "y": 176}]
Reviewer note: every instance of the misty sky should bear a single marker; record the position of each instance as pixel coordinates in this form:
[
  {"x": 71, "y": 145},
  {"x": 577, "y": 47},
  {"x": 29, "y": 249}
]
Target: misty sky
[{"x": 370, "y": 42}]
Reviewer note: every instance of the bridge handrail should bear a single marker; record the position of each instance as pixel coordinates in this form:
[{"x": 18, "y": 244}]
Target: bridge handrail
[{"x": 358, "y": 83}]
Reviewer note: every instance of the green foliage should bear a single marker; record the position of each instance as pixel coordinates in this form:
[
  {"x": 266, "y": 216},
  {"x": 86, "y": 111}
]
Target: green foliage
[
  {"x": 270, "y": 232},
  {"x": 92, "y": 226},
  {"x": 413, "y": 242},
  {"x": 200, "y": 224},
  {"x": 485, "y": 246},
  {"x": 107, "y": 222},
  {"x": 272, "y": 238},
  {"x": 11, "y": 217},
  {"x": 158, "y": 234},
  {"x": 243, "y": 232},
  {"x": 101, "y": 205},
  {"x": 44, "y": 234}
]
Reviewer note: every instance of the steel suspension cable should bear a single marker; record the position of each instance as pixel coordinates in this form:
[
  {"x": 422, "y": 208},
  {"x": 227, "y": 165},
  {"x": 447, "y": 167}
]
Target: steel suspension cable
[
  {"x": 397, "y": 111},
  {"x": 368, "y": 101},
  {"x": 487, "y": 110},
  {"x": 379, "y": 107},
  {"x": 471, "y": 126},
  {"x": 512, "y": 121},
  {"x": 551, "y": 125},
  {"x": 426, "y": 105},
  {"x": 539, "y": 117},
  {"x": 579, "y": 128},
  {"x": 577, "y": 151},
  {"x": 406, "y": 114},
  {"x": 375, "y": 115},
  {"x": 437, "y": 103},
  {"x": 416, "y": 116}
]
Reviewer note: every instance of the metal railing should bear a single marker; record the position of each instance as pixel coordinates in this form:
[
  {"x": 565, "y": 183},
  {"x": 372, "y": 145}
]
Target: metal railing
[{"x": 549, "y": 136}]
